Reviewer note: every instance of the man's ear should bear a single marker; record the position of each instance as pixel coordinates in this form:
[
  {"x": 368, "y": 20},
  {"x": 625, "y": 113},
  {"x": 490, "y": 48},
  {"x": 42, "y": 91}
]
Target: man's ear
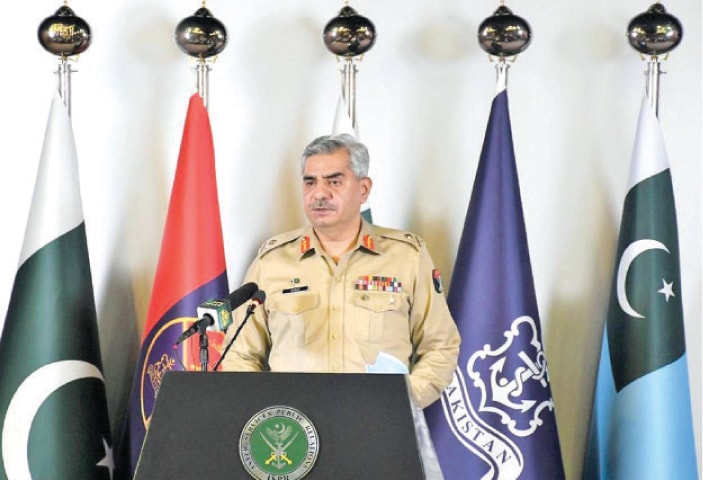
[{"x": 366, "y": 185}]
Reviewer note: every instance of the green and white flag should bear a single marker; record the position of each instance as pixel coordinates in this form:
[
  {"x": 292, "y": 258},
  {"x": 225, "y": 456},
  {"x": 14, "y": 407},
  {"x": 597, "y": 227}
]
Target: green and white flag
[
  {"x": 53, "y": 408},
  {"x": 641, "y": 425}
]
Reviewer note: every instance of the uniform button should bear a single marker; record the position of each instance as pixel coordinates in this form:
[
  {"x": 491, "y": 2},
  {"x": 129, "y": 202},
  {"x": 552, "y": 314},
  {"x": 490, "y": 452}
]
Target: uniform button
[
  {"x": 338, "y": 278},
  {"x": 295, "y": 309},
  {"x": 335, "y": 336},
  {"x": 335, "y": 308},
  {"x": 378, "y": 307},
  {"x": 335, "y": 367}
]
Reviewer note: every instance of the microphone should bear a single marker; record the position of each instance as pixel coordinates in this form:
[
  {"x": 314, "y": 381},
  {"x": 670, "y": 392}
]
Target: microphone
[
  {"x": 257, "y": 299},
  {"x": 216, "y": 314}
]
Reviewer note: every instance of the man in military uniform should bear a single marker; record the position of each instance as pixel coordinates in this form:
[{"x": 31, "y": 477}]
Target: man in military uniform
[{"x": 341, "y": 291}]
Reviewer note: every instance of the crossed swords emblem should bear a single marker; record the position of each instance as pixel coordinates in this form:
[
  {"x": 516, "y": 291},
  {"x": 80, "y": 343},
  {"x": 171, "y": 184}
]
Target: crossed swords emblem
[{"x": 279, "y": 435}]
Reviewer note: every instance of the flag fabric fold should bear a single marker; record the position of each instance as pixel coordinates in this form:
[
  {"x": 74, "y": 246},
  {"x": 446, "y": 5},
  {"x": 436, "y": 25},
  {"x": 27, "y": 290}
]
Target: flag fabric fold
[
  {"x": 496, "y": 418},
  {"x": 191, "y": 270},
  {"x": 343, "y": 123},
  {"x": 641, "y": 425},
  {"x": 53, "y": 406}
]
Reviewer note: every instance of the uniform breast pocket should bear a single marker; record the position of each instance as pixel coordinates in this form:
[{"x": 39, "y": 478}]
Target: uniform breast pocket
[
  {"x": 288, "y": 316},
  {"x": 381, "y": 316}
]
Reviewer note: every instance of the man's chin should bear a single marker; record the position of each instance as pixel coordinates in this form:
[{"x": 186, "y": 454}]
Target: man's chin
[
  {"x": 324, "y": 216},
  {"x": 321, "y": 222}
]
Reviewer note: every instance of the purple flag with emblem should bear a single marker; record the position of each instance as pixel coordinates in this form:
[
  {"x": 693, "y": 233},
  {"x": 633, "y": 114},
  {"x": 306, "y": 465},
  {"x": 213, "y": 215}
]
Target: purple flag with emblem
[{"x": 496, "y": 419}]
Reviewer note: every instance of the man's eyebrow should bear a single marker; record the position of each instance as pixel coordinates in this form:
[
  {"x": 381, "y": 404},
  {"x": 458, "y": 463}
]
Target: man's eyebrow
[
  {"x": 326, "y": 177},
  {"x": 333, "y": 175}
]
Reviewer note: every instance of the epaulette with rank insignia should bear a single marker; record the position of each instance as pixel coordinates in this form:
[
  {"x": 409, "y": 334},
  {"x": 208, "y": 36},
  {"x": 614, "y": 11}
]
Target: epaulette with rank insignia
[
  {"x": 406, "y": 237},
  {"x": 278, "y": 241}
]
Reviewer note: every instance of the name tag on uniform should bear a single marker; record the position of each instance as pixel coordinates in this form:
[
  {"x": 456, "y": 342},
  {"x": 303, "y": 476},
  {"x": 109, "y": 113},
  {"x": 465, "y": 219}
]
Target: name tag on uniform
[{"x": 303, "y": 288}]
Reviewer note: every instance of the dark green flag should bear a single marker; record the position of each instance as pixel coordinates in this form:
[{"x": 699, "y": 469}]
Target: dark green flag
[{"x": 53, "y": 409}]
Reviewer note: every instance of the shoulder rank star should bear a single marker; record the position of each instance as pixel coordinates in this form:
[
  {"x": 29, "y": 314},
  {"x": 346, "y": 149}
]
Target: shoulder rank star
[{"x": 437, "y": 280}]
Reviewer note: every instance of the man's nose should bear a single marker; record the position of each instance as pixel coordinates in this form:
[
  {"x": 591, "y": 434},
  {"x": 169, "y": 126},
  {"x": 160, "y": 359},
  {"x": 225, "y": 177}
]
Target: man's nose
[{"x": 320, "y": 191}]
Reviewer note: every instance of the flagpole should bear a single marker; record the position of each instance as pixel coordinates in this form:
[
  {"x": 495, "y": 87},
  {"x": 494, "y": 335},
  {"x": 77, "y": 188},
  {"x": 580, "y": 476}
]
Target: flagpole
[
  {"x": 203, "y": 37},
  {"x": 654, "y": 33},
  {"x": 63, "y": 74},
  {"x": 349, "y": 35},
  {"x": 652, "y": 85},
  {"x": 65, "y": 35},
  {"x": 349, "y": 88},
  {"x": 202, "y": 71},
  {"x": 502, "y": 75}
]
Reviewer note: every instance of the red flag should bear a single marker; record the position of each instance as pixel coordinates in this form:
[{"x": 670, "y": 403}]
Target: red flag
[{"x": 191, "y": 270}]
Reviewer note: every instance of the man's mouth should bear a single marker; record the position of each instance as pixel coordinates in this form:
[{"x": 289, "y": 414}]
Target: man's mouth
[{"x": 322, "y": 207}]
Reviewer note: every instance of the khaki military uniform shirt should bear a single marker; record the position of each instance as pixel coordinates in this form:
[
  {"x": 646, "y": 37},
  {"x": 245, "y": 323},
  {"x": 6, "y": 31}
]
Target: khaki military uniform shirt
[{"x": 383, "y": 296}]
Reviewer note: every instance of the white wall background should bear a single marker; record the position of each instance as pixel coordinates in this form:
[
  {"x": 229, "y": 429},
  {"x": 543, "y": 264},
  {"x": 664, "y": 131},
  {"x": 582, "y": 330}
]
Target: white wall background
[{"x": 424, "y": 93}]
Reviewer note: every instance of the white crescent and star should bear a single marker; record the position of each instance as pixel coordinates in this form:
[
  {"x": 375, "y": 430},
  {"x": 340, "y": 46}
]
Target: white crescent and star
[
  {"x": 25, "y": 404},
  {"x": 628, "y": 256}
]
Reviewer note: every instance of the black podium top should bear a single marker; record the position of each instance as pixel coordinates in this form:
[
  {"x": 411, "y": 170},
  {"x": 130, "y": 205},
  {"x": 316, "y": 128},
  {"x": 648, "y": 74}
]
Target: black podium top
[{"x": 363, "y": 423}]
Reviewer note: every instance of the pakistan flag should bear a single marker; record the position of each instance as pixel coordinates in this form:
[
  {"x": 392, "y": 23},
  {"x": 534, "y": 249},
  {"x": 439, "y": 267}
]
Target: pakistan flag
[
  {"x": 53, "y": 411},
  {"x": 641, "y": 427}
]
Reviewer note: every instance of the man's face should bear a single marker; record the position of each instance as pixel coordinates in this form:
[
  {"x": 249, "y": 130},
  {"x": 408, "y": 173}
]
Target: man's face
[{"x": 331, "y": 192}]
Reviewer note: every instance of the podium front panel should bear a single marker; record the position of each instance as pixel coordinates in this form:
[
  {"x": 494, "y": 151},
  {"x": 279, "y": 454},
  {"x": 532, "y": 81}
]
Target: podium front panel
[{"x": 364, "y": 424}]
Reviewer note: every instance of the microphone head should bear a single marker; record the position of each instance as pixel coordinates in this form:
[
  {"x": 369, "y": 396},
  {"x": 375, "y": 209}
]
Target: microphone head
[
  {"x": 242, "y": 294},
  {"x": 259, "y": 297}
]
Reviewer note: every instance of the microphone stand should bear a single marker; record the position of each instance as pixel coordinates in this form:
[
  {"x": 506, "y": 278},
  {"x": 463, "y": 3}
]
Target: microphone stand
[
  {"x": 202, "y": 331},
  {"x": 250, "y": 310}
]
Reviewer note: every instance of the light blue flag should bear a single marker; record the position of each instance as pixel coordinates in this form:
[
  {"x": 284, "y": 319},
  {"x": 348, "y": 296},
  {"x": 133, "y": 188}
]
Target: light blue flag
[{"x": 641, "y": 426}]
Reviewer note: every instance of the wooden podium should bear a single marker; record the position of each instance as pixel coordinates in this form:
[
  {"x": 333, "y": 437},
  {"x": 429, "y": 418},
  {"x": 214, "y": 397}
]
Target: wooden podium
[{"x": 363, "y": 427}]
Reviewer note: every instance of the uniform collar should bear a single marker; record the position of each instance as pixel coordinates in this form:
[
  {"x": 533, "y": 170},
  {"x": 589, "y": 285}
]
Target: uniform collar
[{"x": 367, "y": 241}]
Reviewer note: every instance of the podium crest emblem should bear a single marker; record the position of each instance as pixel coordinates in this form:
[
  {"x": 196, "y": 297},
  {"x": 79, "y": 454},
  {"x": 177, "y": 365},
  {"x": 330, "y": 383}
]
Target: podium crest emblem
[{"x": 278, "y": 442}]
